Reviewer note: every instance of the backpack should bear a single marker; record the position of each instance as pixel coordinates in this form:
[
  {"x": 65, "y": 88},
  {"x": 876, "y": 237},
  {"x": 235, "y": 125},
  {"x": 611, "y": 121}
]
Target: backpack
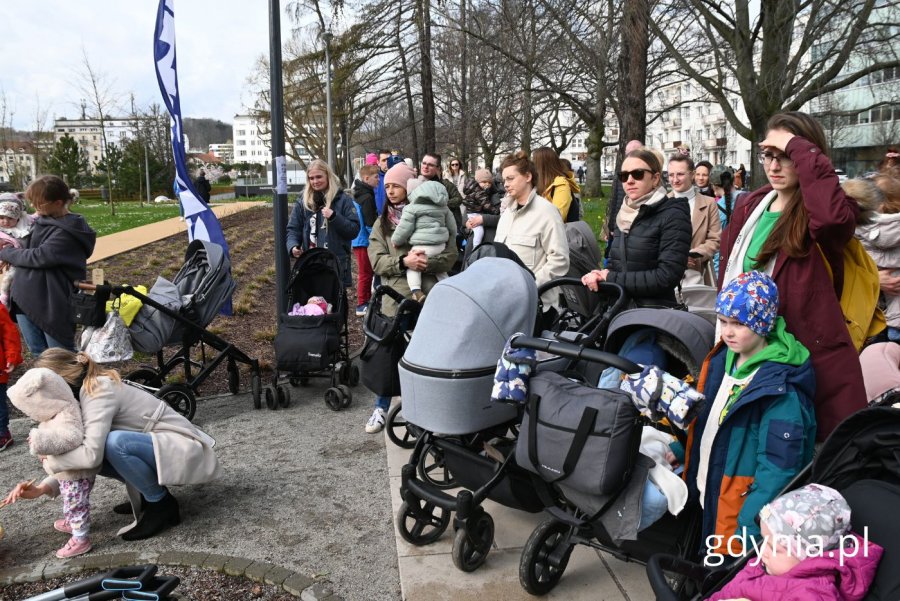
[{"x": 859, "y": 298}]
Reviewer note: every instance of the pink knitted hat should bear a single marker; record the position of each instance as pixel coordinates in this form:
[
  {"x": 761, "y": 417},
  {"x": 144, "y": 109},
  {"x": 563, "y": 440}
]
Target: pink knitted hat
[
  {"x": 371, "y": 159},
  {"x": 399, "y": 174}
]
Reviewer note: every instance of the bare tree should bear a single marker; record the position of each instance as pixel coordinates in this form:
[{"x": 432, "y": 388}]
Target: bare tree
[
  {"x": 95, "y": 86},
  {"x": 779, "y": 58}
]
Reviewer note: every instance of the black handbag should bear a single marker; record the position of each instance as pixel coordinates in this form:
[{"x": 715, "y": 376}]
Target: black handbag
[{"x": 89, "y": 310}]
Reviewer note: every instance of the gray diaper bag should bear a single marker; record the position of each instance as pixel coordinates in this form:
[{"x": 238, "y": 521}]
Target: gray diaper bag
[{"x": 584, "y": 438}]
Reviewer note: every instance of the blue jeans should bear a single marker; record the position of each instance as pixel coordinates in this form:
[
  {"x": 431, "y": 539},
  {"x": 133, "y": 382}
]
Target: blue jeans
[
  {"x": 37, "y": 340},
  {"x": 640, "y": 347},
  {"x": 893, "y": 334},
  {"x": 130, "y": 456},
  {"x": 4, "y": 411},
  {"x": 382, "y": 402}
]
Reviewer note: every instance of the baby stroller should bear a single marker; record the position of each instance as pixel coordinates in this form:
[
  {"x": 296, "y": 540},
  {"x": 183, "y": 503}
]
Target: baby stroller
[
  {"x": 177, "y": 313},
  {"x": 583, "y": 442},
  {"x": 860, "y": 459},
  {"x": 314, "y": 346},
  {"x": 447, "y": 389}
]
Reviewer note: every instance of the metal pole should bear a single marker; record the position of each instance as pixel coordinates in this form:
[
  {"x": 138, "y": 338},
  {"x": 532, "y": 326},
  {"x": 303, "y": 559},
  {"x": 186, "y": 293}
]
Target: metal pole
[
  {"x": 279, "y": 173},
  {"x": 147, "y": 171},
  {"x": 327, "y": 36}
]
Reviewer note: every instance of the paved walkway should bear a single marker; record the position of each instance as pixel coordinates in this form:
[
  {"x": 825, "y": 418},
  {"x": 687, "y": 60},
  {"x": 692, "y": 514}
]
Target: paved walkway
[
  {"x": 428, "y": 574},
  {"x": 113, "y": 244}
]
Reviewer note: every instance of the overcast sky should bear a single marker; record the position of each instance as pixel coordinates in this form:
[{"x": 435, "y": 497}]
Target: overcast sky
[{"x": 41, "y": 45}]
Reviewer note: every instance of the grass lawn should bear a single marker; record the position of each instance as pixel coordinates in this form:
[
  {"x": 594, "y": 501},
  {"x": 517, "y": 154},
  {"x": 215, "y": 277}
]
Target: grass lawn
[
  {"x": 130, "y": 214},
  {"x": 595, "y": 213}
]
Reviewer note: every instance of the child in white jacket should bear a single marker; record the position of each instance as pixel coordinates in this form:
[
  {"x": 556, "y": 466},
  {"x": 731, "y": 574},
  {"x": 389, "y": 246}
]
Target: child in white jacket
[
  {"x": 44, "y": 396},
  {"x": 879, "y": 233}
]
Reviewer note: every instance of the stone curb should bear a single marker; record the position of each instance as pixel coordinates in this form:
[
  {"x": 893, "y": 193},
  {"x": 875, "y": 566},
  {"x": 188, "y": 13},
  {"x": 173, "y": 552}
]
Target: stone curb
[{"x": 307, "y": 588}]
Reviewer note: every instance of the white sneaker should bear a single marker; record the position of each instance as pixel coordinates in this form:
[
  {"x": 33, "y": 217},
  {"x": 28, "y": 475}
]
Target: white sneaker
[{"x": 376, "y": 422}]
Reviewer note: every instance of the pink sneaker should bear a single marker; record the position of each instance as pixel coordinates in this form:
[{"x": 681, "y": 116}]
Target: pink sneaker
[
  {"x": 62, "y": 526},
  {"x": 75, "y": 547}
]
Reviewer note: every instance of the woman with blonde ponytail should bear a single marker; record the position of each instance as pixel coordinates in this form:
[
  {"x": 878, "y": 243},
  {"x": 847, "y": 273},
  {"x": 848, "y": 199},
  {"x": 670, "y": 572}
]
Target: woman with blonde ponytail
[{"x": 132, "y": 436}]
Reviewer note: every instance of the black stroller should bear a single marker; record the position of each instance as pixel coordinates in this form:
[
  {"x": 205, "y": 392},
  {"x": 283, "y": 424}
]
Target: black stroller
[
  {"x": 314, "y": 346},
  {"x": 595, "y": 518},
  {"x": 177, "y": 313},
  {"x": 861, "y": 459}
]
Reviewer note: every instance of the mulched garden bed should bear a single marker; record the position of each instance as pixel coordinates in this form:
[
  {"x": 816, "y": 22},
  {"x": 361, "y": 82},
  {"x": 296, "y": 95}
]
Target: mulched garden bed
[{"x": 196, "y": 585}]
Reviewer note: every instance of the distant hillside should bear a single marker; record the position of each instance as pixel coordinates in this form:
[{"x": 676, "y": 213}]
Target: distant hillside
[{"x": 203, "y": 132}]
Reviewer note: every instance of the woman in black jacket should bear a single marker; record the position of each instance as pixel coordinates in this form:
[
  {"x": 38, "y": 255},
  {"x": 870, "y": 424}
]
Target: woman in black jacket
[{"x": 652, "y": 235}]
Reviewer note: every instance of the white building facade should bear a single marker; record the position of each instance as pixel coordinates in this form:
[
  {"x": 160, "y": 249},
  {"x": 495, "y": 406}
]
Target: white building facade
[
  {"x": 89, "y": 134},
  {"x": 250, "y": 144},
  {"x": 17, "y": 163}
]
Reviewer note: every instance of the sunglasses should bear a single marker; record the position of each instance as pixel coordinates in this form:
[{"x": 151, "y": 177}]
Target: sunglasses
[
  {"x": 454, "y": 164},
  {"x": 637, "y": 174}
]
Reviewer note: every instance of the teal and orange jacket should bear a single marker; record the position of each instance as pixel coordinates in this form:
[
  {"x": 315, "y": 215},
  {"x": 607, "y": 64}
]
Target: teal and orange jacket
[{"x": 765, "y": 439}]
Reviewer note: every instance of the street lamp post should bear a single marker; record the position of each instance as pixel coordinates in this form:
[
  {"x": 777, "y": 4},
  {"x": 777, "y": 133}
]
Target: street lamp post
[{"x": 328, "y": 36}]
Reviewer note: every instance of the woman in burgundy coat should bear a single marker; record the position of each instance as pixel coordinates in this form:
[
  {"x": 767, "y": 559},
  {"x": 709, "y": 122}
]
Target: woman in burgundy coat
[{"x": 776, "y": 229}]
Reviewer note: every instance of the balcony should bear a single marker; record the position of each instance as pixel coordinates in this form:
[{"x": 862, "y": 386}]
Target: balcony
[
  {"x": 714, "y": 143},
  {"x": 714, "y": 119},
  {"x": 672, "y": 145},
  {"x": 672, "y": 122}
]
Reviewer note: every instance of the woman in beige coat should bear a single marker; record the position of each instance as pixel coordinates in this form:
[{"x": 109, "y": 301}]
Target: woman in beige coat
[{"x": 131, "y": 436}]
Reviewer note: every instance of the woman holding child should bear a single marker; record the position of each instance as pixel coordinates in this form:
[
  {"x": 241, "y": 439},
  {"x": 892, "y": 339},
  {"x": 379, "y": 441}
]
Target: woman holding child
[
  {"x": 131, "y": 436},
  {"x": 392, "y": 262},
  {"x": 789, "y": 229}
]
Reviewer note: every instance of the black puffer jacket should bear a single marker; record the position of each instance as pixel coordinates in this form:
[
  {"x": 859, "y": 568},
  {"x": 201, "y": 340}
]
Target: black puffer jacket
[{"x": 650, "y": 259}]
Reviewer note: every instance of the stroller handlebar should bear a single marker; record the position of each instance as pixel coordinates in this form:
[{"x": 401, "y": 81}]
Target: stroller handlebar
[{"x": 573, "y": 351}]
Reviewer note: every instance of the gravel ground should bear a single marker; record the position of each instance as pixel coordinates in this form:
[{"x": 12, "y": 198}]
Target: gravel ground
[{"x": 303, "y": 487}]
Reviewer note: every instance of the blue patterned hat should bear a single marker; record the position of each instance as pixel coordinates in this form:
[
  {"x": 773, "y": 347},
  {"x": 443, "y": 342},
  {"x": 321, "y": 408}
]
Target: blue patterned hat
[{"x": 752, "y": 299}]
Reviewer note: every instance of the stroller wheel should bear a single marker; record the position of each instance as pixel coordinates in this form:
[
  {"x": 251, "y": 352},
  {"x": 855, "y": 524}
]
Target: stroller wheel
[
  {"x": 146, "y": 376},
  {"x": 402, "y": 433},
  {"x": 433, "y": 469},
  {"x": 283, "y": 394},
  {"x": 333, "y": 398},
  {"x": 180, "y": 397},
  {"x": 234, "y": 379},
  {"x": 346, "y": 396},
  {"x": 256, "y": 391},
  {"x": 341, "y": 369},
  {"x": 545, "y": 557},
  {"x": 421, "y": 523},
  {"x": 472, "y": 544},
  {"x": 353, "y": 375},
  {"x": 271, "y": 398}
]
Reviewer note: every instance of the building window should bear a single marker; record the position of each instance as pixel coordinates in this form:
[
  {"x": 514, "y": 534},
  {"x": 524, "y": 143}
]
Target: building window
[
  {"x": 242, "y": 132},
  {"x": 242, "y": 153},
  {"x": 864, "y": 118}
]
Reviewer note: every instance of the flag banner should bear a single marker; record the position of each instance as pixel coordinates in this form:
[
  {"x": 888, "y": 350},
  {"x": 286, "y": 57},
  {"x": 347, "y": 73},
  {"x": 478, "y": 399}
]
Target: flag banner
[{"x": 202, "y": 222}]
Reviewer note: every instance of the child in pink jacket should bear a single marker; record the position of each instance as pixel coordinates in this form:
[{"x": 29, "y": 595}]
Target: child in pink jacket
[{"x": 808, "y": 552}]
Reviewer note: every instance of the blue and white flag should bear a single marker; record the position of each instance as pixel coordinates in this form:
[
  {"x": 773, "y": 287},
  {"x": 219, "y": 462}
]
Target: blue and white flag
[{"x": 202, "y": 222}]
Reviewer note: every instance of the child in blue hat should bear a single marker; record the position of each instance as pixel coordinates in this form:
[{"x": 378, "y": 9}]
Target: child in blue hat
[{"x": 757, "y": 428}]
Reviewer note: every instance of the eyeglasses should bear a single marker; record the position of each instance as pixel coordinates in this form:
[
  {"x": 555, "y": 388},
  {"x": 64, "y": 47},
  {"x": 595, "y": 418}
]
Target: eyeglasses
[
  {"x": 432, "y": 165},
  {"x": 454, "y": 164},
  {"x": 767, "y": 157},
  {"x": 637, "y": 174}
]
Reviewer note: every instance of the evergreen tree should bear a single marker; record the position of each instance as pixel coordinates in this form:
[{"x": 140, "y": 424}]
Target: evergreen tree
[{"x": 68, "y": 161}]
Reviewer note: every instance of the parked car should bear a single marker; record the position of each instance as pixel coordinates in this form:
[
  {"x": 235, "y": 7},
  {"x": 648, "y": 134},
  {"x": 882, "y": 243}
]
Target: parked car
[{"x": 607, "y": 175}]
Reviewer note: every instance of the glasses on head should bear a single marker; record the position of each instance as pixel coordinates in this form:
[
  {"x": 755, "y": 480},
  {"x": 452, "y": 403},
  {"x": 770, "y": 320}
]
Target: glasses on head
[
  {"x": 432, "y": 165},
  {"x": 766, "y": 158},
  {"x": 637, "y": 174}
]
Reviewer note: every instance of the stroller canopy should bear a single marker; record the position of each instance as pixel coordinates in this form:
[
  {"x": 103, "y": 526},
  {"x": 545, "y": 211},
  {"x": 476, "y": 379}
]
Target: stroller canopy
[
  {"x": 316, "y": 273},
  {"x": 468, "y": 318},
  {"x": 204, "y": 281},
  {"x": 692, "y": 332}
]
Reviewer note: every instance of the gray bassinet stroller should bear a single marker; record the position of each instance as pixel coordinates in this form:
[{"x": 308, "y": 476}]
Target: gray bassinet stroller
[
  {"x": 591, "y": 461},
  {"x": 177, "y": 313}
]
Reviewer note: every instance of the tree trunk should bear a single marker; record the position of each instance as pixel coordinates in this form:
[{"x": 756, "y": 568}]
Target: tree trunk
[
  {"x": 429, "y": 142},
  {"x": 527, "y": 118},
  {"x": 407, "y": 89},
  {"x": 633, "y": 72}
]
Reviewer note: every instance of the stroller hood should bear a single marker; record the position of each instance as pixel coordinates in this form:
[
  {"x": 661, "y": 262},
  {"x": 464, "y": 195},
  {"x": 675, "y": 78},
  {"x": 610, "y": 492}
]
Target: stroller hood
[
  {"x": 693, "y": 334},
  {"x": 316, "y": 273},
  {"x": 204, "y": 282},
  {"x": 469, "y": 317}
]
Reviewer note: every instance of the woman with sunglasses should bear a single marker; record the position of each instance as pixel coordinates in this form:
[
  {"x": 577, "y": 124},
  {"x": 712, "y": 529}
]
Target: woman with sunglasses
[
  {"x": 789, "y": 228},
  {"x": 457, "y": 175},
  {"x": 652, "y": 235}
]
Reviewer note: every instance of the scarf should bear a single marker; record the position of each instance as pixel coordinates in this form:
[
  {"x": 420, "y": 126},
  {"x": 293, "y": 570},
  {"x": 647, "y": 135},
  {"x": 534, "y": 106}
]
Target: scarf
[
  {"x": 395, "y": 211},
  {"x": 628, "y": 212}
]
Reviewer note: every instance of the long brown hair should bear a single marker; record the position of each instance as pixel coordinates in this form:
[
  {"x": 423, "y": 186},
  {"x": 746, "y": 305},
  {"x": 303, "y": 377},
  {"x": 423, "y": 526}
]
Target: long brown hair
[
  {"x": 77, "y": 369},
  {"x": 791, "y": 231},
  {"x": 548, "y": 167}
]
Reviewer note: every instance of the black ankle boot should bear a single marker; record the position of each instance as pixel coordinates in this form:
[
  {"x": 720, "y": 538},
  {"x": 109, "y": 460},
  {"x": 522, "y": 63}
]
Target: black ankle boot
[
  {"x": 154, "y": 518},
  {"x": 125, "y": 508}
]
